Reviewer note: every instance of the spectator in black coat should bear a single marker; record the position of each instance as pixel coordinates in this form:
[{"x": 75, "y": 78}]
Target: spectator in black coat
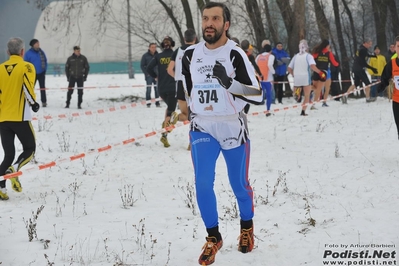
[
  {"x": 76, "y": 69},
  {"x": 145, "y": 61}
]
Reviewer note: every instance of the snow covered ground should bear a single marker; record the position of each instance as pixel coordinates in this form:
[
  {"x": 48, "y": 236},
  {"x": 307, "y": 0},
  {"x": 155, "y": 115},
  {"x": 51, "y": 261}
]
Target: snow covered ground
[{"x": 326, "y": 185}]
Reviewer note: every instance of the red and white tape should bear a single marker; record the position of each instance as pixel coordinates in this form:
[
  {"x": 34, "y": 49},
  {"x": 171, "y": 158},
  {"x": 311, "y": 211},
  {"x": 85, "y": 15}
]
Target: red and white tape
[
  {"x": 98, "y": 111},
  {"x": 150, "y": 134},
  {"x": 94, "y": 151},
  {"x": 306, "y": 104}
]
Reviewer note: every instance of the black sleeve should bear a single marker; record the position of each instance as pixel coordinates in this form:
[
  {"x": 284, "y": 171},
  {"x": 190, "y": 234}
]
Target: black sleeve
[
  {"x": 151, "y": 67},
  {"x": 386, "y": 75},
  {"x": 253, "y": 62},
  {"x": 363, "y": 55},
  {"x": 87, "y": 67},
  {"x": 240, "y": 68},
  {"x": 67, "y": 68},
  {"x": 186, "y": 61},
  {"x": 173, "y": 58},
  {"x": 142, "y": 65}
]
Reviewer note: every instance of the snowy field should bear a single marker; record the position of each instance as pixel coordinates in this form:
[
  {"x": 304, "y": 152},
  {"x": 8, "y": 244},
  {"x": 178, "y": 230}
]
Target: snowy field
[{"x": 326, "y": 185}]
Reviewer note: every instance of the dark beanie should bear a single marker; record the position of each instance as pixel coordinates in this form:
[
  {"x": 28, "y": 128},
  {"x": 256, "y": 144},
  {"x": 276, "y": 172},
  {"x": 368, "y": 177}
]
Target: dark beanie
[
  {"x": 33, "y": 41},
  {"x": 245, "y": 45},
  {"x": 267, "y": 48}
]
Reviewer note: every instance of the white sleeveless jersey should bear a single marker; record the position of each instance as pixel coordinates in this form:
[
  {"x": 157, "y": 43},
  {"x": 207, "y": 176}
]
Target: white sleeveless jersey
[
  {"x": 179, "y": 56},
  {"x": 301, "y": 67},
  {"x": 208, "y": 97}
]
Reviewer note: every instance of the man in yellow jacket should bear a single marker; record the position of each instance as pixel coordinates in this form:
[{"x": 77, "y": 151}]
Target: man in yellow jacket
[
  {"x": 378, "y": 63},
  {"x": 17, "y": 96}
]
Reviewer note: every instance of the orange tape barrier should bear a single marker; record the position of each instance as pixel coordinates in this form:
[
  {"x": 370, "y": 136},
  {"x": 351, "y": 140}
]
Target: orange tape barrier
[
  {"x": 153, "y": 133},
  {"x": 99, "y": 111},
  {"x": 99, "y": 87},
  {"x": 144, "y": 85},
  {"x": 98, "y": 150},
  {"x": 319, "y": 101}
]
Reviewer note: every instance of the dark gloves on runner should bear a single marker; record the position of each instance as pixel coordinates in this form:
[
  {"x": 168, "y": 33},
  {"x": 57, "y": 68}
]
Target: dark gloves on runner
[
  {"x": 219, "y": 73},
  {"x": 35, "y": 107}
]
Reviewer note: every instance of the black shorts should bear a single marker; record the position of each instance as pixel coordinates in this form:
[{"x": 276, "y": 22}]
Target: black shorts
[
  {"x": 359, "y": 77},
  {"x": 316, "y": 76},
  {"x": 169, "y": 98},
  {"x": 180, "y": 94}
]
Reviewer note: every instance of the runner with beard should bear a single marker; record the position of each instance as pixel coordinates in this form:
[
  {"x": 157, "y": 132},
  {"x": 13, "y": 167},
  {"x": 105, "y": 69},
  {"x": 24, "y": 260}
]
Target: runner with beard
[{"x": 219, "y": 80}]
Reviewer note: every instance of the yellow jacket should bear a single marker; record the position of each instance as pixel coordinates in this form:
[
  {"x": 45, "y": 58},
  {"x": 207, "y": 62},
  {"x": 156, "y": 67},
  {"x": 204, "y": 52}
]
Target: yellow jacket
[
  {"x": 379, "y": 63},
  {"x": 17, "y": 83}
]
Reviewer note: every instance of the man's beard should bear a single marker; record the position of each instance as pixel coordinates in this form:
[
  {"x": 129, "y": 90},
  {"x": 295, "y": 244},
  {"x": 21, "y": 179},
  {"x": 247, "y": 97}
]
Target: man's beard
[{"x": 215, "y": 38}]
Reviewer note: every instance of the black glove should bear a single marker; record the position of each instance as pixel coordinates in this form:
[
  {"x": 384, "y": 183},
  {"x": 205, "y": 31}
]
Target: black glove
[
  {"x": 219, "y": 73},
  {"x": 68, "y": 79},
  {"x": 35, "y": 107},
  {"x": 84, "y": 78},
  {"x": 375, "y": 71}
]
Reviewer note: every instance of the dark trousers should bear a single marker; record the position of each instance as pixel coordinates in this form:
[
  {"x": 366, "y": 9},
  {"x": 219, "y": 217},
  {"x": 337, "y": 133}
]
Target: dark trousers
[
  {"x": 151, "y": 81},
  {"x": 373, "y": 89},
  {"x": 278, "y": 87},
  {"x": 395, "y": 108},
  {"x": 25, "y": 133},
  {"x": 71, "y": 85},
  {"x": 41, "y": 78},
  {"x": 335, "y": 85}
]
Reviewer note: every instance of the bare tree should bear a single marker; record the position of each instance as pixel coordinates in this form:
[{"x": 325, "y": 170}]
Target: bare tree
[
  {"x": 202, "y": 3},
  {"x": 344, "y": 62},
  {"x": 290, "y": 16},
  {"x": 380, "y": 18},
  {"x": 270, "y": 23},
  {"x": 351, "y": 23},
  {"x": 300, "y": 20},
  {"x": 392, "y": 7},
  {"x": 321, "y": 19},
  {"x": 287, "y": 21},
  {"x": 256, "y": 19}
]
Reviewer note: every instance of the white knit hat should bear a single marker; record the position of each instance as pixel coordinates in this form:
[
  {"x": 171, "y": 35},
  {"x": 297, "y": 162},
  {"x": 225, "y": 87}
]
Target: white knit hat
[{"x": 264, "y": 42}]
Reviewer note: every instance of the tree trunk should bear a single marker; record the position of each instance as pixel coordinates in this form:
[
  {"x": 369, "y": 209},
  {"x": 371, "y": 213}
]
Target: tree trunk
[
  {"x": 189, "y": 16},
  {"x": 288, "y": 17},
  {"x": 344, "y": 62},
  {"x": 394, "y": 16},
  {"x": 352, "y": 25},
  {"x": 294, "y": 21},
  {"x": 202, "y": 3},
  {"x": 380, "y": 20},
  {"x": 300, "y": 22},
  {"x": 256, "y": 20},
  {"x": 173, "y": 18},
  {"x": 270, "y": 24},
  {"x": 322, "y": 22}
]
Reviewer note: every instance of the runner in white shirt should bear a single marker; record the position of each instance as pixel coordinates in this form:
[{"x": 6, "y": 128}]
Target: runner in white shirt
[
  {"x": 219, "y": 81},
  {"x": 300, "y": 68}
]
